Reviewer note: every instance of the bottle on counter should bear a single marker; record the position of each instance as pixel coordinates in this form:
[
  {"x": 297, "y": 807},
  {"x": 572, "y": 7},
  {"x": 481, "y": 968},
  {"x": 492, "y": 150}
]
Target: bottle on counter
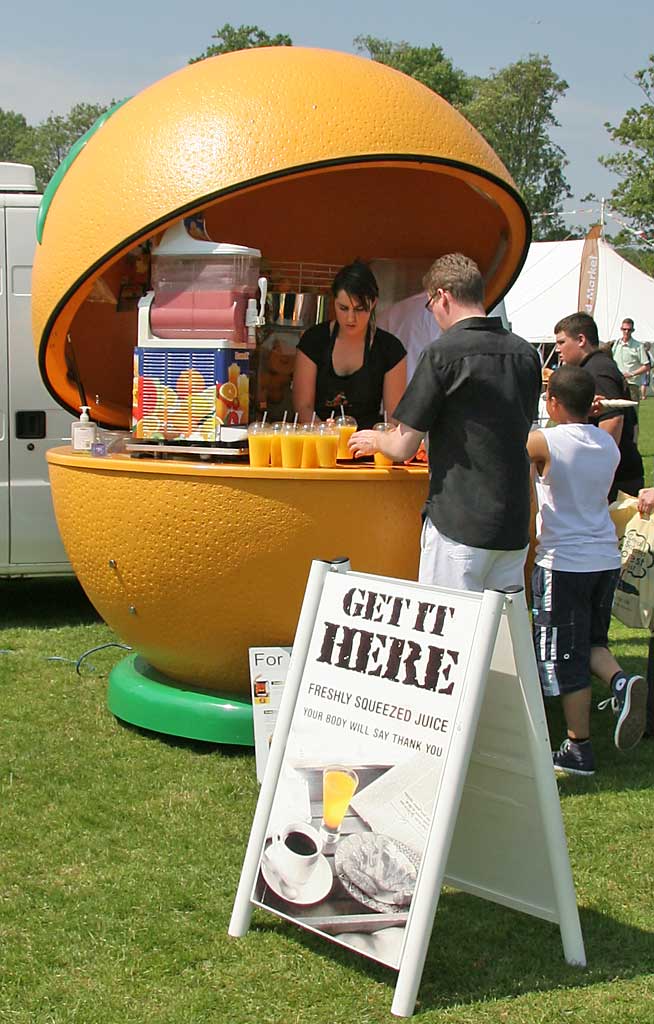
[{"x": 83, "y": 432}]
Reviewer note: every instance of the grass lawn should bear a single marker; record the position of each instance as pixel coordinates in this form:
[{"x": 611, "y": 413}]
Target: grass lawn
[{"x": 120, "y": 853}]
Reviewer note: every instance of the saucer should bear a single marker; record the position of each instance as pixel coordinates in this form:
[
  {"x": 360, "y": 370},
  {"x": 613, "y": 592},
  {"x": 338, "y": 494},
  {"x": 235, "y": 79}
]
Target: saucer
[{"x": 313, "y": 891}]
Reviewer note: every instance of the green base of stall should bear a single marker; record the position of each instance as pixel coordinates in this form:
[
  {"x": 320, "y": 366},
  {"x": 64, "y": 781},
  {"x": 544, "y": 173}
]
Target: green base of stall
[{"x": 142, "y": 696}]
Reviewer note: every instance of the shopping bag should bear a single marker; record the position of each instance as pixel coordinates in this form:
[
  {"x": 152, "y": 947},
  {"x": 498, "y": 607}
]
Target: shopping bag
[
  {"x": 622, "y": 511},
  {"x": 633, "y": 603}
]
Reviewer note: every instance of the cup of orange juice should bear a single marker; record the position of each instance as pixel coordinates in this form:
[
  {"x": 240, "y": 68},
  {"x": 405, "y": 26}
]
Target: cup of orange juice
[
  {"x": 339, "y": 784},
  {"x": 346, "y": 425},
  {"x": 309, "y": 453},
  {"x": 276, "y": 443},
  {"x": 291, "y": 442},
  {"x": 259, "y": 438},
  {"x": 382, "y": 460},
  {"x": 327, "y": 445}
]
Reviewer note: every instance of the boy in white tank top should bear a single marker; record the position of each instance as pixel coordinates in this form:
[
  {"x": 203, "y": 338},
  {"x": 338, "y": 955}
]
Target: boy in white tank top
[{"x": 576, "y": 571}]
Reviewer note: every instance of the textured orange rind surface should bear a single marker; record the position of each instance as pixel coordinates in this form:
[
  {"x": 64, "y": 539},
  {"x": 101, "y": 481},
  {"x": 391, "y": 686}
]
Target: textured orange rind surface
[{"x": 191, "y": 566}]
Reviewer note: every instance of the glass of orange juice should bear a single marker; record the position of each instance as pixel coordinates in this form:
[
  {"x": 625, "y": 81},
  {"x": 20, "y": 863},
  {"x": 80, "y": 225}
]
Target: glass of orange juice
[
  {"x": 327, "y": 445},
  {"x": 291, "y": 442},
  {"x": 347, "y": 425},
  {"x": 276, "y": 443},
  {"x": 382, "y": 460},
  {"x": 259, "y": 438},
  {"x": 339, "y": 784},
  {"x": 309, "y": 453}
]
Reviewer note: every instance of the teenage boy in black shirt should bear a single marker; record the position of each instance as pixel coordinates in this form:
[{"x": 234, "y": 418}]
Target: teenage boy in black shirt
[
  {"x": 475, "y": 392},
  {"x": 577, "y": 343}
]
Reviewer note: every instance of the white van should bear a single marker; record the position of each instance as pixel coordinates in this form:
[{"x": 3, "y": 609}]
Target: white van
[{"x": 30, "y": 419}]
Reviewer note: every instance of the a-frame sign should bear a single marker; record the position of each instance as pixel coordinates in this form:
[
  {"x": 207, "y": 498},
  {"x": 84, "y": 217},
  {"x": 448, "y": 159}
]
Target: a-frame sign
[{"x": 411, "y": 750}]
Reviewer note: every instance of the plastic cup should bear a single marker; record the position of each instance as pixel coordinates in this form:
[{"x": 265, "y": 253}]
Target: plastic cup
[
  {"x": 309, "y": 454},
  {"x": 259, "y": 438},
  {"x": 291, "y": 443},
  {"x": 276, "y": 444},
  {"x": 327, "y": 446},
  {"x": 347, "y": 426},
  {"x": 381, "y": 460}
]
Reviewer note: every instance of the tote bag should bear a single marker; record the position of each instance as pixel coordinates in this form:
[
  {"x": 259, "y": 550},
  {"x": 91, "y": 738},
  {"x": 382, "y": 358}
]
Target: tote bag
[{"x": 633, "y": 603}]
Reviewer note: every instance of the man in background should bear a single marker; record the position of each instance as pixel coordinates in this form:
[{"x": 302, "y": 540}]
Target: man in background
[
  {"x": 411, "y": 321},
  {"x": 631, "y": 359}
]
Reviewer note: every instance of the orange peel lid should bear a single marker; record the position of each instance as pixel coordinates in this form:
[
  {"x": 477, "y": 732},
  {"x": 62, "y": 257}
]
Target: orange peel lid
[{"x": 235, "y": 135}]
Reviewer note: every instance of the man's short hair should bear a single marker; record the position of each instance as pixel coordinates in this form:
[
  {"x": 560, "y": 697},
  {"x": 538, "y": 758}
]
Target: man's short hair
[
  {"x": 579, "y": 323},
  {"x": 457, "y": 274},
  {"x": 575, "y": 389},
  {"x": 628, "y": 320}
]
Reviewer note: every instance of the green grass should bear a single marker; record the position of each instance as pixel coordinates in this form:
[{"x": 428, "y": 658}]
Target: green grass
[{"x": 120, "y": 853}]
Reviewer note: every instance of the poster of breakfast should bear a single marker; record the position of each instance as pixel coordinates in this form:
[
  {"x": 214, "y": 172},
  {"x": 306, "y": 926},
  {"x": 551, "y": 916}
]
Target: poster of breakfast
[{"x": 367, "y": 749}]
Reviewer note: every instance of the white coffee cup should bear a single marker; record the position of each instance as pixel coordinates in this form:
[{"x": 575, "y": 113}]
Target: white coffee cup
[{"x": 295, "y": 851}]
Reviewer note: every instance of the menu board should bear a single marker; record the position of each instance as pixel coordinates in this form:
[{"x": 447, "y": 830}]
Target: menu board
[
  {"x": 377, "y": 708},
  {"x": 268, "y": 668}
]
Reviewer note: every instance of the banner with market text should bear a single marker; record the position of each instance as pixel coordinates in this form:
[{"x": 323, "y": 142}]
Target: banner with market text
[
  {"x": 367, "y": 750},
  {"x": 589, "y": 272}
]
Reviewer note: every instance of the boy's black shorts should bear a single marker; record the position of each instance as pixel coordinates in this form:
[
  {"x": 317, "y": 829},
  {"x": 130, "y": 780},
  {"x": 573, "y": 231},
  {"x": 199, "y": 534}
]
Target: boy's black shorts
[{"x": 571, "y": 614}]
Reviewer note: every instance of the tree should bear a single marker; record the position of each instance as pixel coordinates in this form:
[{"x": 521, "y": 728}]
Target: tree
[
  {"x": 12, "y": 128},
  {"x": 513, "y": 109},
  {"x": 47, "y": 144},
  {"x": 634, "y": 196},
  {"x": 245, "y": 37},
  {"x": 628, "y": 247},
  {"x": 427, "y": 64}
]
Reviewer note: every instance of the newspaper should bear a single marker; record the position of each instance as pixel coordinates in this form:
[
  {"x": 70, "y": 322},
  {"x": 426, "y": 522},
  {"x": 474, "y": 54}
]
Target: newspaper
[{"x": 400, "y": 802}]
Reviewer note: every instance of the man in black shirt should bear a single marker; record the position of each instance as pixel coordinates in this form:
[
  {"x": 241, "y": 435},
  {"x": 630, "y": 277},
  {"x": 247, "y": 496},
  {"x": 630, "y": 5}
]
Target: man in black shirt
[
  {"x": 577, "y": 343},
  {"x": 475, "y": 392}
]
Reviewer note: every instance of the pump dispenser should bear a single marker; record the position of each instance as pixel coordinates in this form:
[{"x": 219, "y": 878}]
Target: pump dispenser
[
  {"x": 83, "y": 432},
  {"x": 251, "y": 321}
]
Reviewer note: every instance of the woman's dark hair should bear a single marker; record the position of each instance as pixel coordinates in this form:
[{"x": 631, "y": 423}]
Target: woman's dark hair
[
  {"x": 575, "y": 389},
  {"x": 358, "y": 281}
]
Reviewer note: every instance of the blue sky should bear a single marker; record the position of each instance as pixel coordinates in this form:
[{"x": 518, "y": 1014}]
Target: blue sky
[{"x": 55, "y": 54}]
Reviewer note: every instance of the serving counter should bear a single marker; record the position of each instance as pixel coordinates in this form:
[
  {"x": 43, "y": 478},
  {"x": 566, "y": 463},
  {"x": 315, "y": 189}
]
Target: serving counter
[{"x": 192, "y": 562}]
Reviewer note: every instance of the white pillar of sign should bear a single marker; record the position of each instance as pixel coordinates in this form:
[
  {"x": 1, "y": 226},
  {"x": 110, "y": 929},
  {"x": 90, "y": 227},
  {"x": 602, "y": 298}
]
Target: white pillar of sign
[
  {"x": 496, "y": 829},
  {"x": 505, "y": 840}
]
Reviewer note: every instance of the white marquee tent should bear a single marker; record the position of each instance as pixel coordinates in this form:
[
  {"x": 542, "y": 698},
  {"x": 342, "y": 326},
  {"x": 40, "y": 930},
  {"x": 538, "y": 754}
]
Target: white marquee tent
[{"x": 547, "y": 289}]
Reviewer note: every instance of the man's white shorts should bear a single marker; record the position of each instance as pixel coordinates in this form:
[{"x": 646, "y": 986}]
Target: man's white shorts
[{"x": 446, "y": 563}]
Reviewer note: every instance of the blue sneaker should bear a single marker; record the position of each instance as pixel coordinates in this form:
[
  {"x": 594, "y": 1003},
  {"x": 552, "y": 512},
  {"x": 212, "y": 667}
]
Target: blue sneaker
[
  {"x": 629, "y": 703},
  {"x": 574, "y": 758}
]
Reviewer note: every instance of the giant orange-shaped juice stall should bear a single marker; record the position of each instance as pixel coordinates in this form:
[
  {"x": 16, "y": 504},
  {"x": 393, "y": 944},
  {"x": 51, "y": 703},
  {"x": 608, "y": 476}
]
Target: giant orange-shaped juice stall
[{"x": 311, "y": 158}]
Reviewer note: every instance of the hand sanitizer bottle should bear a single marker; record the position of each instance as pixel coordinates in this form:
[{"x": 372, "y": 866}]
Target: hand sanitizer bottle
[{"x": 82, "y": 432}]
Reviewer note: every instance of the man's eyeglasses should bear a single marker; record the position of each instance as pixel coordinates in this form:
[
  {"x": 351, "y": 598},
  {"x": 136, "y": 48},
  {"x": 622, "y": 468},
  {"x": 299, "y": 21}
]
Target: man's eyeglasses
[{"x": 432, "y": 299}]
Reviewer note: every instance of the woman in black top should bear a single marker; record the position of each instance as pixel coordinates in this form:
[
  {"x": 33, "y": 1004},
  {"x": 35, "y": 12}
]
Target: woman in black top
[{"x": 349, "y": 362}]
